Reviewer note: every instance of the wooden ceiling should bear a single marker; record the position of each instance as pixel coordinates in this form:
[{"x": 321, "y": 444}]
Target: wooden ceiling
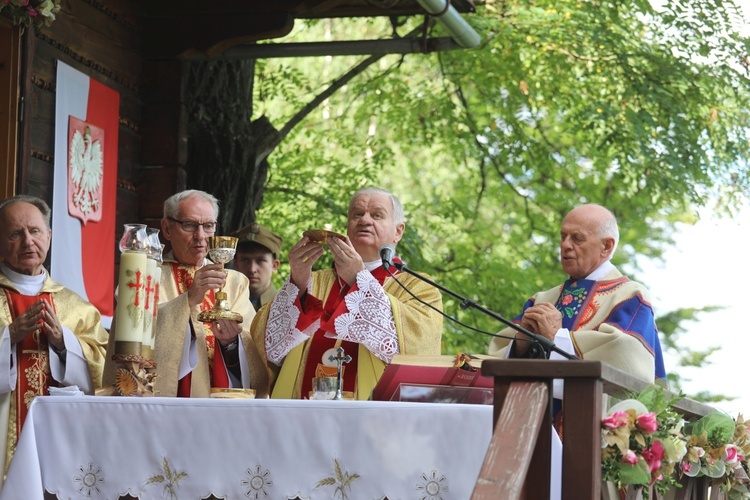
[{"x": 175, "y": 28}]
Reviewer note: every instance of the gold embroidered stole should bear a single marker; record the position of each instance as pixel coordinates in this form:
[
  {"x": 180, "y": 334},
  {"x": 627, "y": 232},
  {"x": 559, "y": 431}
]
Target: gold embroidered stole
[
  {"x": 183, "y": 277},
  {"x": 34, "y": 377}
]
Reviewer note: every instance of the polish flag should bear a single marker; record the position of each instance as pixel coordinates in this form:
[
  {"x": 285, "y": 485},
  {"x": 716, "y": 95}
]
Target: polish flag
[{"x": 85, "y": 188}]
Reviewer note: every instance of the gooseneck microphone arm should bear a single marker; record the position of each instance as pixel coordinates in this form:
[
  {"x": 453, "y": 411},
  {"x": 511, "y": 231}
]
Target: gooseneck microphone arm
[{"x": 541, "y": 340}]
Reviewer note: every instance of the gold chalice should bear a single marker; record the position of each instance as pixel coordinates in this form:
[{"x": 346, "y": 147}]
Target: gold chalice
[{"x": 221, "y": 249}]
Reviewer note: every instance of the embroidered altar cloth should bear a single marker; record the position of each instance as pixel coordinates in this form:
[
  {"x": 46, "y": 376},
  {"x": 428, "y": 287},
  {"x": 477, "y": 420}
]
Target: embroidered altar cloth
[{"x": 107, "y": 447}]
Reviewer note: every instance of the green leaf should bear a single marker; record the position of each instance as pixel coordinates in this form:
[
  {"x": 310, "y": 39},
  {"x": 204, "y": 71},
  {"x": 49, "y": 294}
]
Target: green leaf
[{"x": 634, "y": 474}]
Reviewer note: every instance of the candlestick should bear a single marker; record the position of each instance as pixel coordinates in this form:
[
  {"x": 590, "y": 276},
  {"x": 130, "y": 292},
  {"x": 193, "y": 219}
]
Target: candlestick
[{"x": 135, "y": 292}]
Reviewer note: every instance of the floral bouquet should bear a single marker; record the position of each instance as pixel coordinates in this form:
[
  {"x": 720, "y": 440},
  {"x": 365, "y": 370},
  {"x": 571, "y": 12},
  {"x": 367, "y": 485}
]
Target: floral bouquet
[
  {"x": 642, "y": 442},
  {"x": 36, "y": 13},
  {"x": 719, "y": 447}
]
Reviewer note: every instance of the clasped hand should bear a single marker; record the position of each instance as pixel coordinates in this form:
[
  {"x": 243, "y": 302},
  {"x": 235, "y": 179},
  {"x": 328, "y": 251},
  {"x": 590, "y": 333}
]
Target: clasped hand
[
  {"x": 39, "y": 316},
  {"x": 543, "y": 319}
]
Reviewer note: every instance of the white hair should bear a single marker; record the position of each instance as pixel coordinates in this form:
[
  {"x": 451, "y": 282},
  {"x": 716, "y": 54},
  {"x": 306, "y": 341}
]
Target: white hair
[
  {"x": 398, "y": 209},
  {"x": 172, "y": 204}
]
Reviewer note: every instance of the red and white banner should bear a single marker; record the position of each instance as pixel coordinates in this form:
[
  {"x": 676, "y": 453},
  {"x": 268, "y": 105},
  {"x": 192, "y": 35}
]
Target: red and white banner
[{"x": 85, "y": 188}]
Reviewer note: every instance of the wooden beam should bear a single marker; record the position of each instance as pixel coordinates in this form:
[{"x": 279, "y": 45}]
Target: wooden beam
[
  {"x": 210, "y": 34},
  {"x": 406, "y": 45},
  {"x": 10, "y": 56},
  {"x": 615, "y": 382}
]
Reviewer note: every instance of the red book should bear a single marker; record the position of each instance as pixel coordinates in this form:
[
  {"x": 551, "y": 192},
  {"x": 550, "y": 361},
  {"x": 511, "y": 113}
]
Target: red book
[{"x": 430, "y": 370}]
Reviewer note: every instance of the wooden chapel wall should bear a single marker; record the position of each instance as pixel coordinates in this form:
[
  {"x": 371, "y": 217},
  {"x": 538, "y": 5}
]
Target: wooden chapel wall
[
  {"x": 102, "y": 40},
  {"x": 9, "y": 68}
]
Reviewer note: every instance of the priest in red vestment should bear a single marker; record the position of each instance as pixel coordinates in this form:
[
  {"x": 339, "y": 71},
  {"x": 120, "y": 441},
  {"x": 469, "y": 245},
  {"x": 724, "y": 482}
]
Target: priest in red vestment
[
  {"x": 49, "y": 335},
  {"x": 356, "y": 305}
]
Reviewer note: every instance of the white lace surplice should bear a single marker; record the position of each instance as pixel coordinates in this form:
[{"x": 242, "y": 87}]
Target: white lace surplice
[{"x": 369, "y": 320}]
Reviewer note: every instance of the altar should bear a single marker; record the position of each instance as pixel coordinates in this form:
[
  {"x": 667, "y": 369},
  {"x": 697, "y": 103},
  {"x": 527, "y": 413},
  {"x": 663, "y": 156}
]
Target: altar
[{"x": 112, "y": 447}]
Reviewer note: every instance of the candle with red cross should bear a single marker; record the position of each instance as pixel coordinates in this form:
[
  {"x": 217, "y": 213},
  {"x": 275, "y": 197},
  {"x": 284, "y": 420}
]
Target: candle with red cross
[
  {"x": 130, "y": 303},
  {"x": 150, "y": 307}
]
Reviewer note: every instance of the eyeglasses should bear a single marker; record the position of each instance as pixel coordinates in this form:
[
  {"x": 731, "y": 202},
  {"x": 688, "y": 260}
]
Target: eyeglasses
[{"x": 190, "y": 226}]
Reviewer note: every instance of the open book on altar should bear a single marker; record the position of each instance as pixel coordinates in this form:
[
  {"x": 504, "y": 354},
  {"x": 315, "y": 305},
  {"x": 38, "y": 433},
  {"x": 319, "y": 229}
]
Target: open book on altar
[{"x": 459, "y": 370}]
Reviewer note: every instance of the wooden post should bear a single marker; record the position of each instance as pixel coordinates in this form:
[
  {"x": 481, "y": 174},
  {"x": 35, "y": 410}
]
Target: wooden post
[
  {"x": 585, "y": 383},
  {"x": 516, "y": 445}
]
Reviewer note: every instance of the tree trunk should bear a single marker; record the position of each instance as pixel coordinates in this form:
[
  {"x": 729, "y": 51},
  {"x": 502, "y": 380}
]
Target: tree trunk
[{"x": 225, "y": 153}]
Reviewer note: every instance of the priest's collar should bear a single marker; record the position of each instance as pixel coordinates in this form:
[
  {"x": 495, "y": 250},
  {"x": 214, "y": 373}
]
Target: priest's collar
[
  {"x": 371, "y": 266},
  {"x": 601, "y": 271},
  {"x": 27, "y": 285}
]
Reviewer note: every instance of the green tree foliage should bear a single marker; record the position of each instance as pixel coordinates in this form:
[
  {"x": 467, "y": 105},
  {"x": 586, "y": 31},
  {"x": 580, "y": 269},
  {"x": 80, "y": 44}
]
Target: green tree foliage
[
  {"x": 672, "y": 327},
  {"x": 565, "y": 102}
]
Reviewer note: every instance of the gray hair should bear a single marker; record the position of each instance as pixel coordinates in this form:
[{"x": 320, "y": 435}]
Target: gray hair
[
  {"x": 398, "y": 209},
  {"x": 32, "y": 200},
  {"x": 172, "y": 204}
]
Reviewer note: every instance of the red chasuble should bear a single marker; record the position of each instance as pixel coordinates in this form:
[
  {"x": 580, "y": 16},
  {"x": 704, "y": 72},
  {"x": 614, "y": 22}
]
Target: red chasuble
[
  {"x": 320, "y": 345},
  {"x": 183, "y": 276},
  {"x": 34, "y": 377}
]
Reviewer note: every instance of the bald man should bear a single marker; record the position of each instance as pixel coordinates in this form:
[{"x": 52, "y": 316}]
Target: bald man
[{"x": 597, "y": 314}]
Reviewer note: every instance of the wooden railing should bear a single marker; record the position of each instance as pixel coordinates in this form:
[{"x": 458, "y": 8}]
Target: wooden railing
[{"x": 517, "y": 463}]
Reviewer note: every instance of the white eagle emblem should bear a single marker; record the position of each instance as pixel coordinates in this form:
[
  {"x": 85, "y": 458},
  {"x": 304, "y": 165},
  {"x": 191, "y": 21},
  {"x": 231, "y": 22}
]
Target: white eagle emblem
[{"x": 85, "y": 170}]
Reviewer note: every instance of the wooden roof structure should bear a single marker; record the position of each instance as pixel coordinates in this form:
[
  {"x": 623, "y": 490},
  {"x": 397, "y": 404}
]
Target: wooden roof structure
[
  {"x": 142, "y": 49},
  {"x": 184, "y": 27}
]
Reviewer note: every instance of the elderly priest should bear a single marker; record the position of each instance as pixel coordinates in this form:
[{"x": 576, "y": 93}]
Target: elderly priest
[
  {"x": 193, "y": 357},
  {"x": 358, "y": 305},
  {"x": 50, "y": 335}
]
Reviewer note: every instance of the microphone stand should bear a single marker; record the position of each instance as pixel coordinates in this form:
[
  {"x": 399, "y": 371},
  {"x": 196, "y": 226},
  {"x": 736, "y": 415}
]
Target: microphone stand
[{"x": 541, "y": 340}]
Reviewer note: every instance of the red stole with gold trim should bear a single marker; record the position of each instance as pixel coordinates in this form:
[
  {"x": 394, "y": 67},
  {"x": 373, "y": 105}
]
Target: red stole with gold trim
[
  {"x": 34, "y": 377},
  {"x": 183, "y": 277}
]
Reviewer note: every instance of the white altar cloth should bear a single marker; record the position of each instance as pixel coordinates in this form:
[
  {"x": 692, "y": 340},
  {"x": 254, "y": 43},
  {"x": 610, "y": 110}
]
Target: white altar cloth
[{"x": 106, "y": 447}]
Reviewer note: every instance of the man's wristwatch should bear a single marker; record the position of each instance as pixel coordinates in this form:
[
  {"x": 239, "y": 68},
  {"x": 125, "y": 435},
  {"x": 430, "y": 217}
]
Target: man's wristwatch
[{"x": 232, "y": 345}]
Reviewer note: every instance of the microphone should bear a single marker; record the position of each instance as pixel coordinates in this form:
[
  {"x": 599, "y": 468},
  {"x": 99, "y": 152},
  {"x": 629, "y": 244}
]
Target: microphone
[{"x": 387, "y": 252}]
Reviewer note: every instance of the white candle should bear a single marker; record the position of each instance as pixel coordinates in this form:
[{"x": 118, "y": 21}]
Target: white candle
[
  {"x": 157, "y": 279},
  {"x": 130, "y": 297},
  {"x": 151, "y": 298}
]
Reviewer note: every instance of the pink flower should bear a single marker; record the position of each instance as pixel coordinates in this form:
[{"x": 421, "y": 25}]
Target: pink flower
[
  {"x": 686, "y": 467},
  {"x": 567, "y": 299},
  {"x": 647, "y": 423},
  {"x": 617, "y": 419},
  {"x": 653, "y": 456},
  {"x": 731, "y": 454},
  {"x": 32, "y": 11},
  {"x": 657, "y": 478},
  {"x": 630, "y": 458}
]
